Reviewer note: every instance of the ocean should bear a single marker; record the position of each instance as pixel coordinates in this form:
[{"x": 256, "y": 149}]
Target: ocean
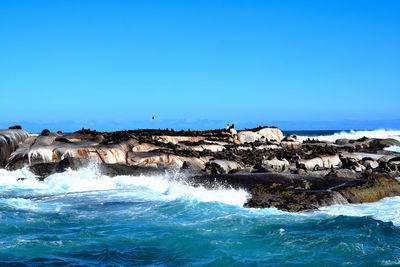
[{"x": 82, "y": 218}]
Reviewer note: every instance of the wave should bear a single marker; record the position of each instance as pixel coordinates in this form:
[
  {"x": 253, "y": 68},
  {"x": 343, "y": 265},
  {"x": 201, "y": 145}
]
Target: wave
[
  {"x": 393, "y": 149},
  {"x": 21, "y": 190},
  {"x": 24, "y": 184},
  {"x": 395, "y": 134},
  {"x": 386, "y": 210}
]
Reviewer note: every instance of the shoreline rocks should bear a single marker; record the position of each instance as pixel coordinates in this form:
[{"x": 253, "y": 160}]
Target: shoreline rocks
[
  {"x": 10, "y": 139},
  {"x": 277, "y": 171}
]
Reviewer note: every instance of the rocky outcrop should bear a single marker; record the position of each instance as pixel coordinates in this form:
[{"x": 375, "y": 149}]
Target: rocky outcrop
[
  {"x": 320, "y": 162},
  {"x": 295, "y": 193},
  {"x": 277, "y": 171},
  {"x": 375, "y": 187},
  {"x": 43, "y": 170},
  {"x": 9, "y": 141},
  {"x": 267, "y": 134},
  {"x": 276, "y": 165},
  {"x": 221, "y": 166}
]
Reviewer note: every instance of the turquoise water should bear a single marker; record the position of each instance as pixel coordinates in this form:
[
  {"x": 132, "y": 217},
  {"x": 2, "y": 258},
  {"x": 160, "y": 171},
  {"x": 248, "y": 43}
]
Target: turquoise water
[{"x": 83, "y": 218}]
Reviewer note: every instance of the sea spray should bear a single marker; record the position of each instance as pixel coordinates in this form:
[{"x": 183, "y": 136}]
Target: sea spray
[
  {"x": 84, "y": 218},
  {"x": 167, "y": 187},
  {"x": 353, "y": 134}
]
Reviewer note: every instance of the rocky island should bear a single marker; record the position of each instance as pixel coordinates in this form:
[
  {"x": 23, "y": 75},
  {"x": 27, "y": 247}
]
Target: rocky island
[{"x": 277, "y": 171}]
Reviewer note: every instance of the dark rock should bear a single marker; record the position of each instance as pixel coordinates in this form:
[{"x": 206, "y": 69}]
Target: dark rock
[
  {"x": 376, "y": 187},
  {"x": 42, "y": 170},
  {"x": 221, "y": 166},
  {"x": 343, "y": 173},
  {"x": 284, "y": 191},
  {"x": 192, "y": 166},
  {"x": 297, "y": 193},
  {"x": 342, "y": 141},
  {"x": 72, "y": 163},
  {"x": 62, "y": 139},
  {"x": 15, "y": 127},
  {"x": 112, "y": 170}
]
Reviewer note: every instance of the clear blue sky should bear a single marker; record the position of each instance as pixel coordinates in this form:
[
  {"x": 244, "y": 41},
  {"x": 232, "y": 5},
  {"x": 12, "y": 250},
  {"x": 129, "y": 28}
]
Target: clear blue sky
[{"x": 198, "y": 61}]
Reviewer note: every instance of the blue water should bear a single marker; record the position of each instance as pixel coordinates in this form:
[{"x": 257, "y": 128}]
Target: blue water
[{"x": 84, "y": 218}]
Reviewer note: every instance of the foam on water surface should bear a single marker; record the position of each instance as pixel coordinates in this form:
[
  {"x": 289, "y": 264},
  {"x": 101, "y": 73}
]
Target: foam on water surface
[
  {"x": 395, "y": 134},
  {"x": 84, "y": 218},
  {"x": 28, "y": 193},
  {"x": 386, "y": 210},
  {"x": 88, "y": 180}
]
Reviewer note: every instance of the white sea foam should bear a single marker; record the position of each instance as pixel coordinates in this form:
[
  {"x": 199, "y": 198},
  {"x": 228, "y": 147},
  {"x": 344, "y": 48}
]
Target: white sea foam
[
  {"x": 387, "y": 210},
  {"x": 395, "y": 134},
  {"x": 28, "y": 193},
  {"x": 393, "y": 148},
  {"x": 88, "y": 180}
]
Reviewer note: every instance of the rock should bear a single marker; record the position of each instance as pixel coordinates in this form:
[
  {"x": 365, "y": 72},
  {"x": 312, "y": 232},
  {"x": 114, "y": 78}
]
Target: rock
[
  {"x": 72, "y": 163},
  {"x": 101, "y": 154},
  {"x": 322, "y": 161},
  {"x": 301, "y": 172},
  {"x": 310, "y": 164},
  {"x": 147, "y": 159},
  {"x": 19, "y": 158},
  {"x": 193, "y": 164},
  {"x": 267, "y": 147},
  {"x": 343, "y": 173},
  {"x": 177, "y": 139},
  {"x": 248, "y": 137},
  {"x": 258, "y": 160},
  {"x": 276, "y": 165},
  {"x": 264, "y": 134},
  {"x": 211, "y": 147},
  {"x": 284, "y": 191},
  {"x": 9, "y": 141},
  {"x": 331, "y": 161},
  {"x": 342, "y": 141},
  {"x": 144, "y": 147},
  {"x": 43, "y": 170},
  {"x": 376, "y": 144},
  {"x": 385, "y": 158},
  {"x": 318, "y": 173},
  {"x": 112, "y": 170},
  {"x": 15, "y": 127},
  {"x": 291, "y": 144},
  {"x": 221, "y": 166},
  {"x": 271, "y": 134},
  {"x": 375, "y": 187},
  {"x": 351, "y": 155}
]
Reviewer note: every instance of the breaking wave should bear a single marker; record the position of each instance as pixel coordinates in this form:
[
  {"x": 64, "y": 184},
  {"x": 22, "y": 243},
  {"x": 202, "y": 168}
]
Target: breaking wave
[
  {"x": 89, "y": 180},
  {"x": 352, "y": 134},
  {"x": 84, "y": 218},
  {"x": 21, "y": 190}
]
